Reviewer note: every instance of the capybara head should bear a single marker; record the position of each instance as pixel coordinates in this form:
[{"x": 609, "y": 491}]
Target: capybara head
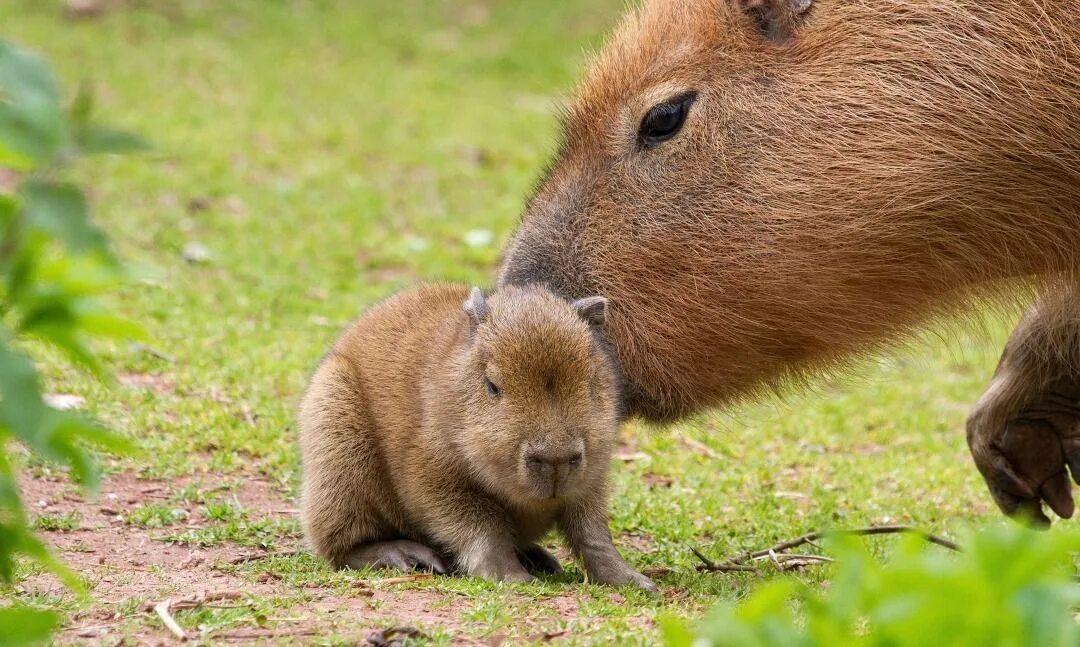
[
  {"x": 762, "y": 184},
  {"x": 541, "y": 418}
]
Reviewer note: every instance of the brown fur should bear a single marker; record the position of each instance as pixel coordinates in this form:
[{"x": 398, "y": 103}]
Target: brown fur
[
  {"x": 404, "y": 445},
  {"x": 844, "y": 175}
]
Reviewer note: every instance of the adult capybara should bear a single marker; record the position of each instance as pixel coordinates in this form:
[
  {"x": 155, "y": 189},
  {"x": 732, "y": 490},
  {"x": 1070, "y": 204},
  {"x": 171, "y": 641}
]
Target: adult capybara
[
  {"x": 444, "y": 423},
  {"x": 765, "y": 187}
]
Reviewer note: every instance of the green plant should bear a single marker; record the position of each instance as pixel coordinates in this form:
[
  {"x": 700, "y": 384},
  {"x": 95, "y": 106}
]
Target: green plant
[
  {"x": 1011, "y": 586},
  {"x": 53, "y": 264}
]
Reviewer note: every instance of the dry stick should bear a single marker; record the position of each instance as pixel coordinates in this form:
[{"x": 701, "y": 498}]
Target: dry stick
[
  {"x": 252, "y": 634},
  {"x": 243, "y": 559},
  {"x": 862, "y": 532},
  {"x": 779, "y": 555},
  {"x": 162, "y": 610},
  {"x": 728, "y": 567}
]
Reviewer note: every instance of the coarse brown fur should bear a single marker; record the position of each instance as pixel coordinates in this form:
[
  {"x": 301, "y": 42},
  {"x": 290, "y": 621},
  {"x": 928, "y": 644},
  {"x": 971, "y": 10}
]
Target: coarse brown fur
[
  {"x": 848, "y": 171},
  {"x": 444, "y": 424}
]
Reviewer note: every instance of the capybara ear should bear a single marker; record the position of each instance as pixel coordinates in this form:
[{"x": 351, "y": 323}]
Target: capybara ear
[
  {"x": 476, "y": 307},
  {"x": 592, "y": 309},
  {"x": 777, "y": 20}
]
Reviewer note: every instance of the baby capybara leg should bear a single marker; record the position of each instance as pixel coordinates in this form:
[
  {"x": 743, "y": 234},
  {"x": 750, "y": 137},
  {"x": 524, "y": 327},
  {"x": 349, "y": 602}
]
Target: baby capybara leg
[
  {"x": 537, "y": 559},
  {"x": 401, "y": 554},
  {"x": 1025, "y": 429}
]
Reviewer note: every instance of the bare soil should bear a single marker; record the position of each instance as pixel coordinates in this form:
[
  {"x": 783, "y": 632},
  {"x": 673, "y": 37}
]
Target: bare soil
[{"x": 130, "y": 569}]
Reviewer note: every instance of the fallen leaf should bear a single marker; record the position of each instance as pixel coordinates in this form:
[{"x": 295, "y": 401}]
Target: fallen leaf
[
  {"x": 631, "y": 456},
  {"x": 654, "y": 480},
  {"x": 698, "y": 446}
]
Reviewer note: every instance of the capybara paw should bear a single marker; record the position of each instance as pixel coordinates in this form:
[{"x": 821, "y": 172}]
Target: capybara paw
[
  {"x": 500, "y": 568},
  {"x": 1027, "y": 462},
  {"x": 537, "y": 559},
  {"x": 625, "y": 576},
  {"x": 402, "y": 554}
]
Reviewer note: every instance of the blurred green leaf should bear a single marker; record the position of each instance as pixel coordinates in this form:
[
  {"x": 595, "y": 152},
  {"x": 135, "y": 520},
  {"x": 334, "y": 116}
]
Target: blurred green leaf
[
  {"x": 32, "y": 127},
  {"x": 53, "y": 262},
  {"x": 8, "y": 208},
  {"x": 82, "y": 106},
  {"x": 97, "y": 140},
  {"x": 20, "y": 625},
  {"x": 1012, "y": 587},
  {"x": 60, "y": 210},
  {"x": 93, "y": 138},
  {"x": 22, "y": 410}
]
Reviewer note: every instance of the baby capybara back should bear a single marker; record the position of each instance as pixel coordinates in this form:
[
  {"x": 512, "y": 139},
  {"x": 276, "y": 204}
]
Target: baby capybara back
[{"x": 449, "y": 430}]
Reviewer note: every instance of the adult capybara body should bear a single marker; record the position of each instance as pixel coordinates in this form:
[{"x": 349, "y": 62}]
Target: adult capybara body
[{"x": 764, "y": 187}]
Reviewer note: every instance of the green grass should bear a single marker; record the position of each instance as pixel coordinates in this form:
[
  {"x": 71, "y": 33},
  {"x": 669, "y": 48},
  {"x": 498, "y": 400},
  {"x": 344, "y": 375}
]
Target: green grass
[
  {"x": 65, "y": 522},
  {"x": 327, "y": 153}
]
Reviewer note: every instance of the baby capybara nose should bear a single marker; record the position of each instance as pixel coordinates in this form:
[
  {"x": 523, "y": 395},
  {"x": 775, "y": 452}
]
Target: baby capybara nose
[{"x": 552, "y": 471}]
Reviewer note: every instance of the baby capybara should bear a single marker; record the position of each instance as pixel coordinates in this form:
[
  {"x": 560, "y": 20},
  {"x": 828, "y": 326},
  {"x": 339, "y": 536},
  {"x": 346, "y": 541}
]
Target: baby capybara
[{"x": 446, "y": 430}]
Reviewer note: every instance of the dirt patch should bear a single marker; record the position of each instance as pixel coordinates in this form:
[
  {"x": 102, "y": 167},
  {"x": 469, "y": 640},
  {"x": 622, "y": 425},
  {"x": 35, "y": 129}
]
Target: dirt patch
[
  {"x": 130, "y": 568},
  {"x": 125, "y": 545}
]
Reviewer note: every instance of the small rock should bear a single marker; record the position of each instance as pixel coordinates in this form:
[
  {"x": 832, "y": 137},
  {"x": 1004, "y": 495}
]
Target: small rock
[
  {"x": 416, "y": 244},
  {"x": 198, "y": 203},
  {"x": 64, "y": 401},
  {"x": 479, "y": 237},
  {"x": 196, "y": 253},
  {"x": 318, "y": 294},
  {"x": 192, "y": 561},
  {"x": 81, "y": 9}
]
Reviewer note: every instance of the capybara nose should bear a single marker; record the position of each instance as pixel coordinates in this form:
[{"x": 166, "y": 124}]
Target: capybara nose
[{"x": 553, "y": 471}]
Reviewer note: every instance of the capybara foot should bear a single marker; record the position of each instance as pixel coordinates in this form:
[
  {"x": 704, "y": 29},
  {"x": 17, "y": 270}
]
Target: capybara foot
[
  {"x": 401, "y": 554},
  {"x": 537, "y": 559}
]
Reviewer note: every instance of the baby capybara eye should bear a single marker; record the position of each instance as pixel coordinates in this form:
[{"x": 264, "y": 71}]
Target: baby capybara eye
[
  {"x": 492, "y": 389},
  {"x": 665, "y": 120}
]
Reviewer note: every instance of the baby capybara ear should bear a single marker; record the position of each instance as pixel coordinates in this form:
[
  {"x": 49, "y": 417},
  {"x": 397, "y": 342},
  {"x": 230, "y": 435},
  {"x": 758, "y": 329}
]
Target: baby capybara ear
[
  {"x": 592, "y": 309},
  {"x": 476, "y": 307},
  {"x": 775, "y": 19}
]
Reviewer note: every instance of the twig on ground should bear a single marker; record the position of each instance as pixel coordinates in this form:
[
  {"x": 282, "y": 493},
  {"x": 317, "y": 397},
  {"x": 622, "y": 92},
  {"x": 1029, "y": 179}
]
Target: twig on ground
[
  {"x": 243, "y": 559},
  {"x": 162, "y": 611},
  {"x": 862, "y": 532},
  {"x": 252, "y": 634},
  {"x": 139, "y": 347},
  {"x": 785, "y": 561},
  {"x": 415, "y": 577},
  {"x": 165, "y": 608},
  {"x": 698, "y": 446},
  {"x": 712, "y": 567}
]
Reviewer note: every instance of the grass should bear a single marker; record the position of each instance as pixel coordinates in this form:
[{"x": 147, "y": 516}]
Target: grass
[{"x": 326, "y": 153}]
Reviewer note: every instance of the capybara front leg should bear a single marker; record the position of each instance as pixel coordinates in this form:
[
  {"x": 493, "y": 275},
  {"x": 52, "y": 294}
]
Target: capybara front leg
[
  {"x": 1024, "y": 432},
  {"x": 586, "y": 528}
]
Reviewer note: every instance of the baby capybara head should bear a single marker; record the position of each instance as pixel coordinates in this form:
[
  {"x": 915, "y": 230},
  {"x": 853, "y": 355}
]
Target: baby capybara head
[{"x": 541, "y": 416}]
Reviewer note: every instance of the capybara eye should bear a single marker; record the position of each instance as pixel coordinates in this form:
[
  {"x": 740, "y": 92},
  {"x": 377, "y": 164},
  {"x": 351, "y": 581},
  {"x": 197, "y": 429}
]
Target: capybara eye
[
  {"x": 665, "y": 120},
  {"x": 492, "y": 389}
]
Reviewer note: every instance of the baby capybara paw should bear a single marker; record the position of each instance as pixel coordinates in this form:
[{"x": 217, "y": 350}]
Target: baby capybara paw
[
  {"x": 623, "y": 575},
  {"x": 537, "y": 559},
  {"x": 401, "y": 554}
]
